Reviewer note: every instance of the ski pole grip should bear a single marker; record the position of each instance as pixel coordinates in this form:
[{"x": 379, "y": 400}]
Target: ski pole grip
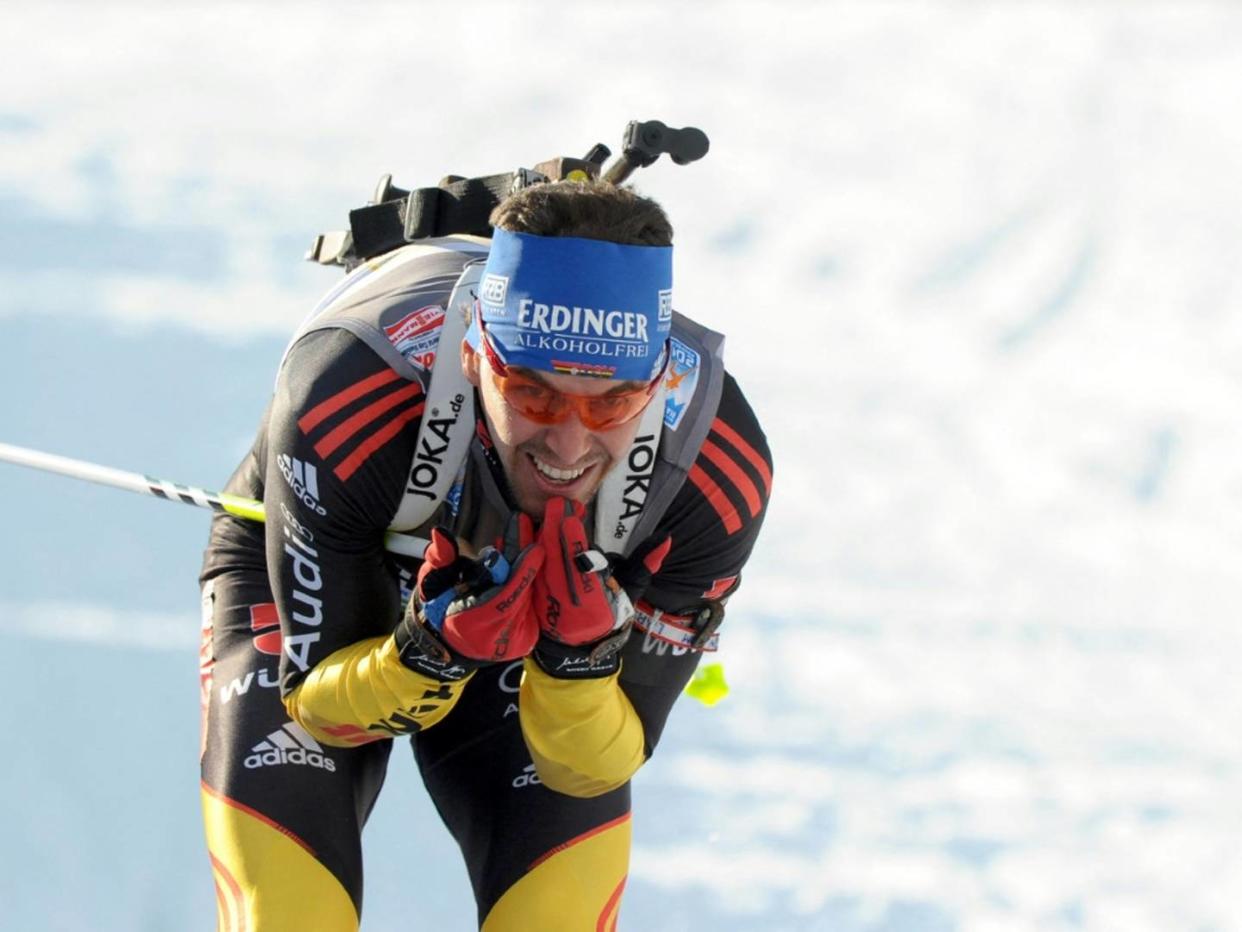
[{"x": 647, "y": 141}]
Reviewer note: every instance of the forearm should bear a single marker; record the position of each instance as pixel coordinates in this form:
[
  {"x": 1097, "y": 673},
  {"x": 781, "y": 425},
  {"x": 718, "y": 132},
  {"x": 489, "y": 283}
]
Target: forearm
[
  {"x": 363, "y": 693},
  {"x": 584, "y": 735}
]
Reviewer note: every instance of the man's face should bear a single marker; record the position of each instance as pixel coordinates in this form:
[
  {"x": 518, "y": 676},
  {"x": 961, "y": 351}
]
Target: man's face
[{"x": 545, "y": 460}]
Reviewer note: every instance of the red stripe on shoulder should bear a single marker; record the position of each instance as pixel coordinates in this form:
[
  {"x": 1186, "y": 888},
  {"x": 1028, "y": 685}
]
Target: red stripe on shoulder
[
  {"x": 752, "y": 455},
  {"x": 325, "y": 409},
  {"x": 355, "y": 422},
  {"x": 716, "y": 498},
  {"x": 348, "y": 466},
  {"x": 734, "y": 472}
]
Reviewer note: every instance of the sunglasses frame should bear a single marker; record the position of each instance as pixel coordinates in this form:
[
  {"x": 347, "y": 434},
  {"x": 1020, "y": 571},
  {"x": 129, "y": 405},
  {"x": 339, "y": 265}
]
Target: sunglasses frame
[{"x": 572, "y": 402}]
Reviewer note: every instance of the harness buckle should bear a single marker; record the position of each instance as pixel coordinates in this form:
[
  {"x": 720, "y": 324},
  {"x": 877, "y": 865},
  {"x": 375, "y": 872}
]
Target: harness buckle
[{"x": 709, "y": 617}]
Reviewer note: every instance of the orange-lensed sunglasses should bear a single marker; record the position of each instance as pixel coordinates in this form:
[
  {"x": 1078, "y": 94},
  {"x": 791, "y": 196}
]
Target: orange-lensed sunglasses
[{"x": 543, "y": 404}]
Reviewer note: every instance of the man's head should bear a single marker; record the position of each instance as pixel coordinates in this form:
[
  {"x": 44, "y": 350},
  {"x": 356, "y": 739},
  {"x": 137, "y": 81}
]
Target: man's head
[{"x": 569, "y": 337}]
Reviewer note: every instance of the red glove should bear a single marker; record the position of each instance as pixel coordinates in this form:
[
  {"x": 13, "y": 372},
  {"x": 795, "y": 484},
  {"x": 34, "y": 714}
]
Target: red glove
[
  {"x": 573, "y": 599},
  {"x": 583, "y": 612},
  {"x": 473, "y": 610}
]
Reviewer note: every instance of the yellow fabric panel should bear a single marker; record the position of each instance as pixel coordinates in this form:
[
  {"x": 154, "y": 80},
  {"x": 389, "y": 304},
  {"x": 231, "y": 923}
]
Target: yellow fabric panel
[
  {"x": 364, "y": 693},
  {"x": 266, "y": 881},
  {"x": 583, "y": 735},
  {"x": 576, "y": 888}
]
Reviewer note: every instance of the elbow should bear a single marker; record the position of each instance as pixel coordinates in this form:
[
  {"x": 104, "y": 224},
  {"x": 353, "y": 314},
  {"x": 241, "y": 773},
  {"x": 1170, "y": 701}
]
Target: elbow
[
  {"x": 577, "y": 766},
  {"x": 581, "y": 783},
  {"x": 297, "y": 712},
  {"x": 584, "y": 737},
  {"x": 325, "y": 731}
]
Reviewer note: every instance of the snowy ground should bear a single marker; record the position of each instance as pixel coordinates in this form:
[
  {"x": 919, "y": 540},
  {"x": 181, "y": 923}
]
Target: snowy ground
[{"x": 975, "y": 265}]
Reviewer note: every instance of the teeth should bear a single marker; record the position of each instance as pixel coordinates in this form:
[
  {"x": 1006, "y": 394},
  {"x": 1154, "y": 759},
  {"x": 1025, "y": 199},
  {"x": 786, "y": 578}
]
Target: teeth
[{"x": 557, "y": 475}]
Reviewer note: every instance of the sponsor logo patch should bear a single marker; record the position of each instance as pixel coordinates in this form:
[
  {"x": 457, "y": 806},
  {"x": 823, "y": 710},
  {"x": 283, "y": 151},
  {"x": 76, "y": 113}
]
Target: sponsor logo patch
[
  {"x": 511, "y": 679},
  {"x": 240, "y": 685},
  {"x": 307, "y": 580},
  {"x": 679, "y": 385},
  {"x": 298, "y": 527},
  {"x": 417, "y": 334},
  {"x": 289, "y": 744},
  {"x": 580, "y": 331},
  {"x": 638, "y": 463},
  {"x": 527, "y": 777},
  {"x": 433, "y": 443},
  {"x": 303, "y": 478},
  {"x": 494, "y": 288},
  {"x": 652, "y": 644},
  {"x": 598, "y": 370},
  {"x": 453, "y": 499},
  {"x": 582, "y": 321},
  {"x": 265, "y": 623}
]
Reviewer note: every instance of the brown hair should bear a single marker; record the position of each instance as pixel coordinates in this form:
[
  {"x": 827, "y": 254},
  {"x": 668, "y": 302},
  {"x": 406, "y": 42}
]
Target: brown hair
[{"x": 588, "y": 209}]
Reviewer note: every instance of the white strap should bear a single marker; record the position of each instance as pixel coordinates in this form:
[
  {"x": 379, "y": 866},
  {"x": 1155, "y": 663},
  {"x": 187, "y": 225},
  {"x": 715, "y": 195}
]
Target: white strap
[
  {"x": 623, "y": 493},
  {"x": 448, "y": 415},
  {"x": 672, "y": 629}
]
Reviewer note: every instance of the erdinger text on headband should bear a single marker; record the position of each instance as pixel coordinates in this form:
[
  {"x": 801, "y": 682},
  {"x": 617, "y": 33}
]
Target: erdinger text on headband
[{"x": 576, "y": 306}]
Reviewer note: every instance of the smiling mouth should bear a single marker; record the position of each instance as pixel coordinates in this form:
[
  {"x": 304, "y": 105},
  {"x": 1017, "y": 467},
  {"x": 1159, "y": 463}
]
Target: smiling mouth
[{"x": 556, "y": 475}]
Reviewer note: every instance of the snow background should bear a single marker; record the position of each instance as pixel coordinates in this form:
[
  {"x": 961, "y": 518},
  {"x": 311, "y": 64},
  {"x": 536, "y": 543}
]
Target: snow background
[{"x": 975, "y": 266}]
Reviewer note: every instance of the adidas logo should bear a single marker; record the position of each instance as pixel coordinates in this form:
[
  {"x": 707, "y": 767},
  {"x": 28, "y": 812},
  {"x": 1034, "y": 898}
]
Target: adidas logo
[
  {"x": 303, "y": 478},
  {"x": 289, "y": 744},
  {"x": 527, "y": 777}
]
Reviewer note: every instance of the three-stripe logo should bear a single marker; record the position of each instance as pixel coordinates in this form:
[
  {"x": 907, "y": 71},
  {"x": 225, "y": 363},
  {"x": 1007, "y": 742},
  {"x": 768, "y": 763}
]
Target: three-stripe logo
[
  {"x": 361, "y": 419},
  {"x": 742, "y": 470},
  {"x": 289, "y": 744}
]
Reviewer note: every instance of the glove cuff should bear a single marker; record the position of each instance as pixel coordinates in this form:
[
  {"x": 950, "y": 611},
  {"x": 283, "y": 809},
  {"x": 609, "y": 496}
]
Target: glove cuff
[
  {"x": 581, "y": 661},
  {"x": 422, "y": 650}
]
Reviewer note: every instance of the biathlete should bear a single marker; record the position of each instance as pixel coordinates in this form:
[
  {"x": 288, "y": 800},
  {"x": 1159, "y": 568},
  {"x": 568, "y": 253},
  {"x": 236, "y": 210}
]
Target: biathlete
[{"x": 591, "y": 481}]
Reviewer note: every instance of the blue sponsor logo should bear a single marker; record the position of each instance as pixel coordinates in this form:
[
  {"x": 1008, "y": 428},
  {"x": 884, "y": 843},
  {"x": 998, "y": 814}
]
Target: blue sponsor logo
[
  {"x": 453, "y": 499},
  {"x": 680, "y": 382},
  {"x": 494, "y": 289}
]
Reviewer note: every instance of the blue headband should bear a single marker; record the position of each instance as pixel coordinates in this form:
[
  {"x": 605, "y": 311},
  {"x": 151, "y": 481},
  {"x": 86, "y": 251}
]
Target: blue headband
[{"x": 576, "y": 306}]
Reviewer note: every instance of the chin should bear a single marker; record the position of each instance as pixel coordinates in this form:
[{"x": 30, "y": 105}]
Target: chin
[
  {"x": 533, "y": 501},
  {"x": 531, "y": 490}
]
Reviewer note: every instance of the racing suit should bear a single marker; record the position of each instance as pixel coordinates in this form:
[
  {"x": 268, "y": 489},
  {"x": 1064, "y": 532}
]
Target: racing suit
[{"x": 302, "y": 687}]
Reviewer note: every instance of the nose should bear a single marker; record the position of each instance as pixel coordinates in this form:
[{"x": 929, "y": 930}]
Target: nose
[{"x": 570, "y": 440}]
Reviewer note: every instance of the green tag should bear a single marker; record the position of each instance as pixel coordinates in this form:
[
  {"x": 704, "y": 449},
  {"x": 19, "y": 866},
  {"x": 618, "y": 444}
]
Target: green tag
[{"x": 708, "y": 684}]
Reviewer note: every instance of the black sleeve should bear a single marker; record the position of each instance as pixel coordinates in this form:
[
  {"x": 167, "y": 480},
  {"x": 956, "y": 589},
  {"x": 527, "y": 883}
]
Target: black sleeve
[
  {"x": 714, "y": 522},
  {"x": 340, "y": 440}
]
